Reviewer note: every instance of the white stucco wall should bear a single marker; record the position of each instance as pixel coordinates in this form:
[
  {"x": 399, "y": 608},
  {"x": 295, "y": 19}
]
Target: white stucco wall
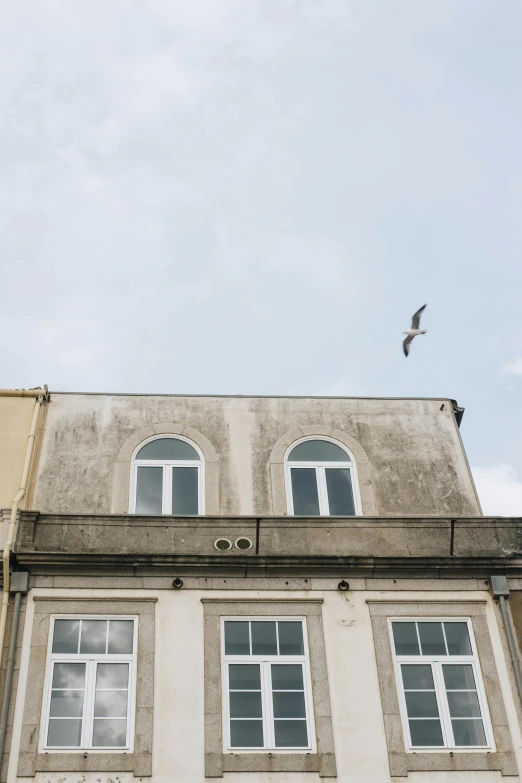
[{"x": 178, "y": 749}]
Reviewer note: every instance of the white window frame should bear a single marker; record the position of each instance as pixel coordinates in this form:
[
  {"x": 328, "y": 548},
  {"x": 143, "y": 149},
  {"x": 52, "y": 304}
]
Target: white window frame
[
  {"x": 91, "y": 661},
  {"x": 436, "y": 662},
  {"x": 167, "y": 466},
  {"x": 320, "y": 476},
  {"x": 265, "y": 662}
]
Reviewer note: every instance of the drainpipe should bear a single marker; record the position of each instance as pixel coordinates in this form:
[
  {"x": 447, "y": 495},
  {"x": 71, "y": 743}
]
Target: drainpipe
[
  {"x": 40, "y": 395},
  {"x": 19, "y": 581},
  {"x": 500, "y": 590}
]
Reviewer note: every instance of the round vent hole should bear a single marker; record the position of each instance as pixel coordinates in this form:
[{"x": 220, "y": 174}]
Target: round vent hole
[
  {"x": 223, "y": 544},
  {"x": 243, "y": 543}
]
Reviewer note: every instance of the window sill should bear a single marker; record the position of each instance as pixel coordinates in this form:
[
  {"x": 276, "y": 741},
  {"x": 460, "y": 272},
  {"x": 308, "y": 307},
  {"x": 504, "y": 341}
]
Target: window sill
[
  {"x": 270, "y": 761},
  {"x": 84, "y": 761}
]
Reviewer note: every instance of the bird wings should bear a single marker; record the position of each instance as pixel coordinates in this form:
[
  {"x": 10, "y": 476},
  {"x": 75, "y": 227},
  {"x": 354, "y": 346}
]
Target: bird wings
[
  {"x": 406, "y": 344},
  {"x": 415, "y": 321}
]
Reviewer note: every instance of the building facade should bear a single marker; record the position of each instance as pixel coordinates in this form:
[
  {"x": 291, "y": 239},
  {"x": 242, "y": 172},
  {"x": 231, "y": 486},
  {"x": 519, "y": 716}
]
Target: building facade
[{"x": 260, "y": 589}]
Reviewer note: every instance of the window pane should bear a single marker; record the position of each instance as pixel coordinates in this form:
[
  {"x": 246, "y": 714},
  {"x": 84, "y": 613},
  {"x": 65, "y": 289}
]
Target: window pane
[
  {"x": 290, "y": 734},
  {"x": 340, "y": 493},
  {"x": 109, "y": 733},
  {"x": 66, "y": 704},
  {"x": 318, "y": 451},
  {"x": 417, "y": 678},
  {"x": 185, "y": 491},
  {"x": 304, "y": 492},
  {"x": 264, "y": 640},
  {"x": 64, "y": 733},
  {"x": 432, "y": 639},
  {"x": 468, "y": 732},
  {"x": 405, "y": 638},
  {"x": 246, "y": 733},
  {"x": 93, "y": 638},
  {"x": 121, "y": 637},
  {"x": 464, "y": 704},
  {"x": 110, "y": 704},
  {"x": 167, "y": 448},
  {"x": 245, "y": 704},
  {"x": 237, "y": 639},
  {"x": 287, "y": 677},
  {"x": 459, "y": 678},
  {"x": 65, "y": 636},
  {"x": 425, "y": 733},
  {"x": 421, "y": 704},
  {"x": 457, "y": 638},
  {"x": 149, "y": 486},
  {"x": 290, "y": 638},
  {"x": 289, "y": 705},
  {"x": 244, "y": 677},
  {"x": 69, "y": 675},
  {"x": 112, "y": 675}
]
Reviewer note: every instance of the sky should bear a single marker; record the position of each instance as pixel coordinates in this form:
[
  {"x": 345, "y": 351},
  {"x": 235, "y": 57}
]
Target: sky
[{"x": 253, "y": 197}]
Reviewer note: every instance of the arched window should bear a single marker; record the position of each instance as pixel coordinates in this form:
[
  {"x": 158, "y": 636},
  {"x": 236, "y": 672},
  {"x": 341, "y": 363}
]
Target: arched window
[
  {"x": 167, "y": 477},
  {"x": 321, "y": 481}
]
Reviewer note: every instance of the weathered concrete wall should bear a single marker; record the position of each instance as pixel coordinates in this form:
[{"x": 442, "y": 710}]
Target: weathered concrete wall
[
  {"x": 360, "y": 742},
  {"x": 416, "y": 464}
]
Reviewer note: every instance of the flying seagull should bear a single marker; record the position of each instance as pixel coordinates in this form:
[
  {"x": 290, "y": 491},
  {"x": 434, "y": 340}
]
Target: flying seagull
[{"x": 414, "y": 331}]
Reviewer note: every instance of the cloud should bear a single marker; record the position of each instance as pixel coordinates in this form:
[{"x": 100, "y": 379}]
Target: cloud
[
  {"x": 514, "y": 367},
  {"x": 499, "y": 489}
]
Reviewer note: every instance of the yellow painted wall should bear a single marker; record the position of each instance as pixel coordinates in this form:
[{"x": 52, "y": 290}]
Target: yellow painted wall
[{"x": 15, "y": 422}]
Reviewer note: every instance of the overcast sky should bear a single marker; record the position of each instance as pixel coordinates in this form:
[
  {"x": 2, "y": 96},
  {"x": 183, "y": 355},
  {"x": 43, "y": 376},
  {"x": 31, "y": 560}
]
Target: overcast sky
[{"x": 253, "y": 197}]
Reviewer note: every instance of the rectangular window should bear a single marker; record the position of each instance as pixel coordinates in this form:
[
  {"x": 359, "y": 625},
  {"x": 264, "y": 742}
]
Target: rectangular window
[
  {"x": 442, "y": 698},
  {"x": 91, "y": 676},
  {"x": 268, "y": 704}
]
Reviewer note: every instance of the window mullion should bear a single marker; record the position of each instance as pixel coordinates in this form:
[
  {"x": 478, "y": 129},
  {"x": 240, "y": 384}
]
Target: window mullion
[
  {"x": 324, "y": 506},
  {"x": 268, "y": 718},
  {"x": 167, "y": 489},
  {"x": 442, "y": 699},
  {"x": 88, "y": 705}
]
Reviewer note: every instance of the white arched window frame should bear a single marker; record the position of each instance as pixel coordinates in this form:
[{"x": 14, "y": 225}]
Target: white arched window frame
[
  {"x": 321, "y": 467},
  {"x": 167, "y": 483}
]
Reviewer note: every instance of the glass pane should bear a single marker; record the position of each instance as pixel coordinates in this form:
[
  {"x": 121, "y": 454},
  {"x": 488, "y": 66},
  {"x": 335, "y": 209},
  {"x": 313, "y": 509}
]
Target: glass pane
[
  {"x": 457, "y": 638},
  {"x": 468, "y": 732},
  {"x": 64, "y": 733},
  {"x": 185, "y": 491},
  {"x": 66, "y": 704},
  {"x": 264, "y": 640},
  {"x": 246, "y": 733},
  {"x": 109, "y": 733},
  {"x": 405, "y": 638},
  {"x": 340, "y": 493},
  {"x": 421, "y": 704},
  {"x": 245, "y": 704},
  {"x": 237, "y": 639},
  {"x": 68, "y": 675},
  {"x": 290, "y": 638},
  {"x": 318, "y": 451},
  {"x": 287, "y": 677},
  {"x": 121, "y": 637},
  {"x": 425, "y": 733},
  {"x": 459, "y": 678},
  {"x": 289, "y": 705},
  {"x": 417, "y": 678},
  {"x": 167, "y": 448},
  {"x": 110, "y": 704},
  {"x": 112, "y": 675},
  {"x": 290, "y": 734},
  {"x": 65, "y": 636},
  {"x": 432, "y": 639},
  {"x": 149, "y": 488},
  {"x": 93, "y": 637},
  {"x": 244, "y": 677},
  {"x": 464, "y": 704},
  {"x": 304, "y": 492}
]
